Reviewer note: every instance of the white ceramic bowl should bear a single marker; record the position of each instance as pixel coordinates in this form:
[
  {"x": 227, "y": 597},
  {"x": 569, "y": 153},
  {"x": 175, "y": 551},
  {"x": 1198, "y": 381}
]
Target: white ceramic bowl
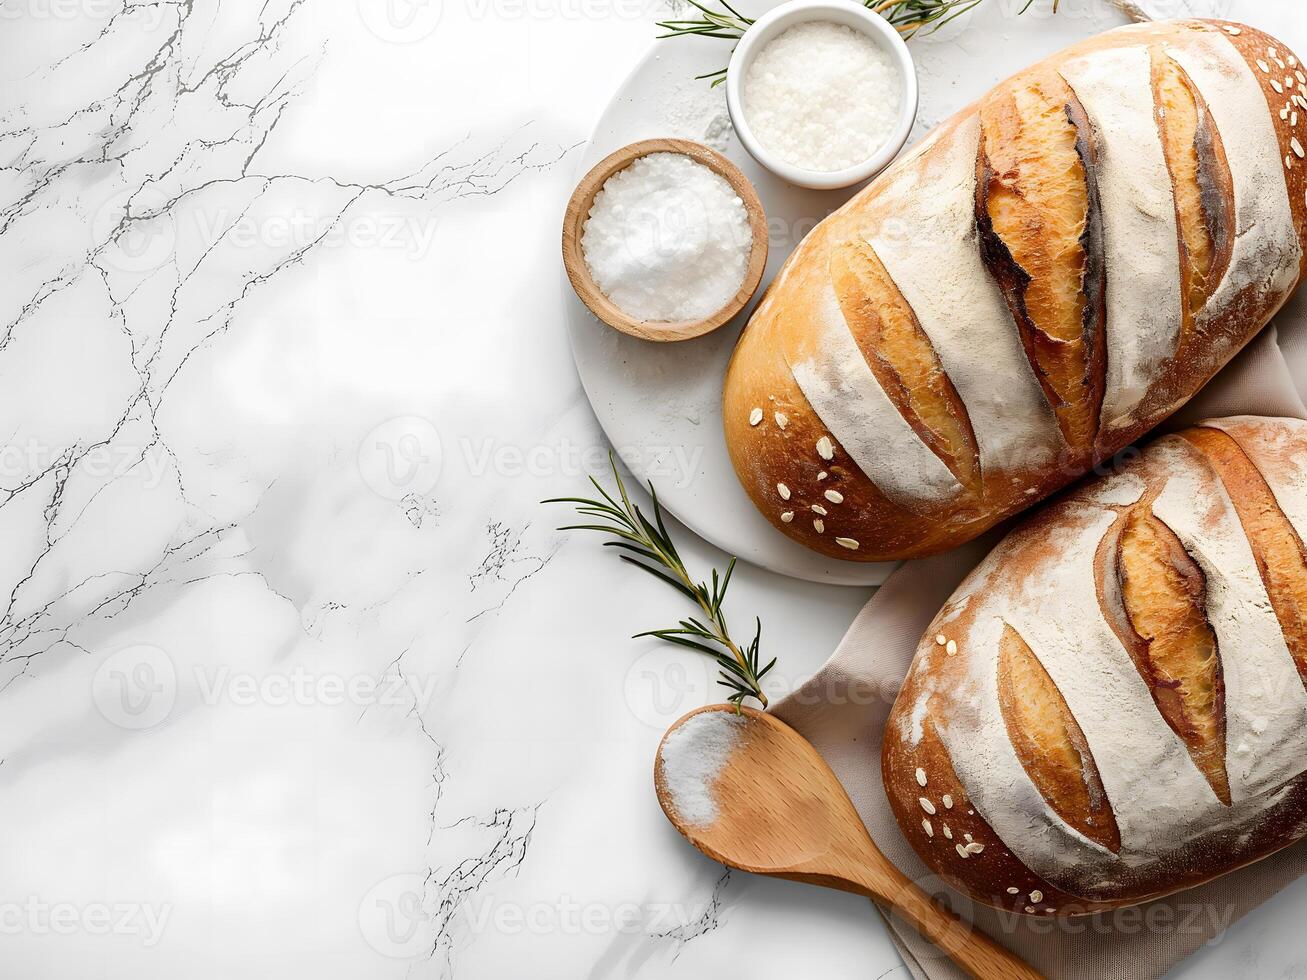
[{"x": 851, "y": 14}]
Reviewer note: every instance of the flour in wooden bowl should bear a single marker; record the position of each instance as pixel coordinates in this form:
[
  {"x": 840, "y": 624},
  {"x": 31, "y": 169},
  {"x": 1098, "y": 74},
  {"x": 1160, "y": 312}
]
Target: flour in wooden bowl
[{"x": 667, "y": 239}]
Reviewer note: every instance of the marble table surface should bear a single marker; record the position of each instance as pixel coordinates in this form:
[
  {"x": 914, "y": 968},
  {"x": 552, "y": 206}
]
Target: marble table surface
[{"x": 297, "y": 679}]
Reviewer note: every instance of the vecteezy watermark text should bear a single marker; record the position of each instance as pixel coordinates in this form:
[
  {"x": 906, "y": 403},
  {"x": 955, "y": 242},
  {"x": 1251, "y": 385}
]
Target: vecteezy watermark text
[
  {"x": 675, "y": 465},
  {"x": 144, "y": 16},
  {"x": 400, "y": 917},
  {"x": 20, "y": 460},
  {"x": 305, "y": 688},
  {"x": 36, "y": 917},
  {"x": 138, "y": 686}
]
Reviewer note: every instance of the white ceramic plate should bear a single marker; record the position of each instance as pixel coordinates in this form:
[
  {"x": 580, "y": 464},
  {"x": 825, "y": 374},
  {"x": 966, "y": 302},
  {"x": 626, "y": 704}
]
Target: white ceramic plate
[{"x": 660, "y": 404}]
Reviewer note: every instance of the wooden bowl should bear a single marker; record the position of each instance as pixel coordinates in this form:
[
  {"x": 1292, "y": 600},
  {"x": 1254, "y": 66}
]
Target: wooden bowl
[{"x": 578, "y": 209}]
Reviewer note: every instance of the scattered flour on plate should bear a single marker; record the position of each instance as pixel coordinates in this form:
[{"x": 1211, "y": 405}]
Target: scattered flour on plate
[
  {"x": 822, "y": 96},
  {"x": 693, "y": 756},
  {"x": 667, "y": 239},
  {"x": 693, "y": 109}
]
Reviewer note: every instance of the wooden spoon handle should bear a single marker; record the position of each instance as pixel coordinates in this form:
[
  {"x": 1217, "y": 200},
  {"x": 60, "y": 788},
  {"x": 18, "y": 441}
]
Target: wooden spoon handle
[{"x": 966, "y": 945}]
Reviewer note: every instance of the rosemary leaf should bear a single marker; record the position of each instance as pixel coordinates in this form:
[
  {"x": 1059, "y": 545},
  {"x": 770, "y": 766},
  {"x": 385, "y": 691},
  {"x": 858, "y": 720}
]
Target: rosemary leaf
[
  {"x": 688, "y": 593},
  {"x": 679, "y": 641}
]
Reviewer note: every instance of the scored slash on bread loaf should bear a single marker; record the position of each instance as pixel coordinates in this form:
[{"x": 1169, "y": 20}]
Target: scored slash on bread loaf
[
  {"x": 1037, "y": 168},
  {"x": 1048, "y": 275},
  {"x": 1114, "y": 702}
]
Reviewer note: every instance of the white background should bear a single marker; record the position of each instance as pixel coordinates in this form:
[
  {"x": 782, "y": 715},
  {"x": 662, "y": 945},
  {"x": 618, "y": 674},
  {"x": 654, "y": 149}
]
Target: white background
[{"x": 296, "y": 677}]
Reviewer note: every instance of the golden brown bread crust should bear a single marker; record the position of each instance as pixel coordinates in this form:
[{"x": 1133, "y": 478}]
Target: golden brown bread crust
[
  {"x": 1049, "y": 742},
  {"x": 1165, "y": 630},
  {"x": 1200, "y": 175},
  {"x": 1041, "y": 231},
  {"x": 902, "y": 358},
  {"x": 1242, "y": 459},
  {"x": 822, "y": 275}
]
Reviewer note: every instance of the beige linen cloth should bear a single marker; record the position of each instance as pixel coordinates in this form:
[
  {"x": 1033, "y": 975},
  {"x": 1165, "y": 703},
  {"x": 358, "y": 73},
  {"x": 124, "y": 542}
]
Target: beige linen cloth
[{"x": 843, "y": 709}]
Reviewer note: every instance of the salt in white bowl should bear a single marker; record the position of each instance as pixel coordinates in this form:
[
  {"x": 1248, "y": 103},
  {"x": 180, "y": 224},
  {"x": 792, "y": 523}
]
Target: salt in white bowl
[{"x": 853, "y": 15}]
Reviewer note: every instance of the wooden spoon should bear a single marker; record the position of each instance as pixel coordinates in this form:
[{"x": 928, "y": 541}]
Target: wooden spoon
[{"x": 781, "y": 811}]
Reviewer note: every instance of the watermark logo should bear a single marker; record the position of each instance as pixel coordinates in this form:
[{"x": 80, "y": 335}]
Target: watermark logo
[
  {"x": 660, "y": 687},
  {"x": 401, "y": 21},
  {"x": 401, "y": 458},
  {"x": 962, "y": 907},
  {"x": 392, "y": 920},
  {"x": 136, "y": 687},
  {"x": 130, "y": 237}
]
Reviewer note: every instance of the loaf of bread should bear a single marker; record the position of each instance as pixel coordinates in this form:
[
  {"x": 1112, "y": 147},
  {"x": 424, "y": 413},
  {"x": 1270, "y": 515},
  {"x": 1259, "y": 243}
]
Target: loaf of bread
[
  {"x": 1048, "y": 275},
  {"x": 1112, "y": 706}
]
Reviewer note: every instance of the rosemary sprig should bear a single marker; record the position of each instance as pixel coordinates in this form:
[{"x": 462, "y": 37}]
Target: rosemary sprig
[
  {"x": 729, "y": 26},
  {"x": 907, "y": 16},
  {"x": 910, "y": 16},
  {"x": 656, "y": 554}
]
